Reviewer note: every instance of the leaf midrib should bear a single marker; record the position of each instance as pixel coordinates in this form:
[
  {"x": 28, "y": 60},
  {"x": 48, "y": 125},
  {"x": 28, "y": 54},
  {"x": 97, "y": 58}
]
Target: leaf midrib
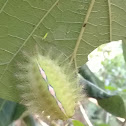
[
  {"x": 1, "y": 106},
  {"x": 73, "y": 57},
  {"x": 110, "y": 20},
  {"x": 3, "y": 6},
  {"x": 28, "y": 36}
]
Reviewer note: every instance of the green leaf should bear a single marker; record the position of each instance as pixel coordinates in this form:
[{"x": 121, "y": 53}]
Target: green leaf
[
  {"x": 77, "y": 123},
  {"x": 9, "y": 111},
  {"x": 92, "y": 90},
  {"x": 88, "y": 75},
  {"x": 74, "y": 27},
  {"x": 111, "y": 88},
  {"x": 30, "y": 121},
  {"x": 19, "y": 110},
  {"x": 114, "y": 105}
]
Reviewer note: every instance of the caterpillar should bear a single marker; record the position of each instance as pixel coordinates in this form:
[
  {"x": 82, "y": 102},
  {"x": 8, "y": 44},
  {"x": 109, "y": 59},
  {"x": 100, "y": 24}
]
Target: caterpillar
[{"x": 48, "y": 88}]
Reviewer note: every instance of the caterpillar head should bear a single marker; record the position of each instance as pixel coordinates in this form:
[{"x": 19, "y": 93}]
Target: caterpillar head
[{"x": 47, "y": 87}]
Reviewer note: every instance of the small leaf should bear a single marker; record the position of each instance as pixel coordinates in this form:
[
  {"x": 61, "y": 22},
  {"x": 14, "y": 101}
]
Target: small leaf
[
  {"x": 124, "y": 90},
  {"x": 111, "y": 88},
  {"x": 77, "y": 123},
  {"x": 7, "y": 109},
  {"x": 114, "y": 105}
]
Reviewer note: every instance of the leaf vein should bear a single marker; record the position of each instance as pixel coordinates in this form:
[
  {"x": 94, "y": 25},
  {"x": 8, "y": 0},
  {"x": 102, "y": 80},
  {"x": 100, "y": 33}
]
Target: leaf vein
[
  {"x": 18, "y": 18},
  {"x": 6, "y": 51},
  {"x": 28, "y": 37},
  {"x": 81, "y": 32},
  {"x": 3, "y": 6}
]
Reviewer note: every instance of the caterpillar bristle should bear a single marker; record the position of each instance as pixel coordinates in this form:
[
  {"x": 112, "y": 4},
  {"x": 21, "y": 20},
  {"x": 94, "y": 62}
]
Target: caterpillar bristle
[{"x": 48, "y": 87}]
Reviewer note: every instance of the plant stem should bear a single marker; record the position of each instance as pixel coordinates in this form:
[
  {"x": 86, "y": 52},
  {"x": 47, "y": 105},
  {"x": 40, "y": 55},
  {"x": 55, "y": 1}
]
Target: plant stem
[
  {"x": 85, "y": 115},
  {"x": 123, "y": 124}
]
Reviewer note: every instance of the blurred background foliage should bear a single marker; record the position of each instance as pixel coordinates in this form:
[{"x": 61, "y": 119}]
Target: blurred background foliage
[{"x": 106, "y": 69}]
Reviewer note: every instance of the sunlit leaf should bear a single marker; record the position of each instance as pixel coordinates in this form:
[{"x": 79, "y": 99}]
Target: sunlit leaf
[
  {"x": 77, "y": 123},
  {"x": 111, "y": 88}
]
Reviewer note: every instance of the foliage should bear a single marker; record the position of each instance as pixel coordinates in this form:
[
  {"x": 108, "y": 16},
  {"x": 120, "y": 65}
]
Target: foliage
[
  {"x": 77, "y": 123},
  {"x": 9, "y": 112},
  {"x": 111, "y": 70},
  {"x": 73, "y": 27},
  {"x": 113, "y": 74},
  {"x": 114, "y": 105}
]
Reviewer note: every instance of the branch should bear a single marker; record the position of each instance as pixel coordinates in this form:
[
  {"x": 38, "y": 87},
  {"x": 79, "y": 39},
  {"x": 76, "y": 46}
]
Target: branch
[{"x": 85, "y": 115}]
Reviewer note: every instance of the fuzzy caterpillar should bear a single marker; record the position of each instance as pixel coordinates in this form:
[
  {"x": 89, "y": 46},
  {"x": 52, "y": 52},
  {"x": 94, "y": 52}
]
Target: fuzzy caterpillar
[
  {"x": 50, "y": 88},
  {"x": 47, "y": 88}
]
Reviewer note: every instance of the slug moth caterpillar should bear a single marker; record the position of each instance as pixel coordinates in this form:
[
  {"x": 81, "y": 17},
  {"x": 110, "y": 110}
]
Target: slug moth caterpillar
[{"x": 47, "y": 87}]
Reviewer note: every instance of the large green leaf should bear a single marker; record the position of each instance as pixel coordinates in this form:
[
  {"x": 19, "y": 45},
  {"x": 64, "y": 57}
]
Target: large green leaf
[
  {"x": 74, "y": 27},
  {"x": 114, "y": 105}
]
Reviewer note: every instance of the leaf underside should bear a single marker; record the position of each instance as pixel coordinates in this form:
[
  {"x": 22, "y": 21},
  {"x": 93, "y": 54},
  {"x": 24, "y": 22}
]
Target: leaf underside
[{"x": 74, "y": 27}]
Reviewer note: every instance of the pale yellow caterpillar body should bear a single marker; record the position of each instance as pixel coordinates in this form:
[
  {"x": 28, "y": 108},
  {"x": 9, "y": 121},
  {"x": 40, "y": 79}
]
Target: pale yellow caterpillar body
[{"x": 47, "y": 87}]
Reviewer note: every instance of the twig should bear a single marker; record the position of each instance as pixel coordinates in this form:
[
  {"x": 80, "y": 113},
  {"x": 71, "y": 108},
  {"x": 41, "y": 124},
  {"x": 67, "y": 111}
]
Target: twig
[
  {"x": 124, "y": 123},
  {"x": 85, "y": 115}
]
